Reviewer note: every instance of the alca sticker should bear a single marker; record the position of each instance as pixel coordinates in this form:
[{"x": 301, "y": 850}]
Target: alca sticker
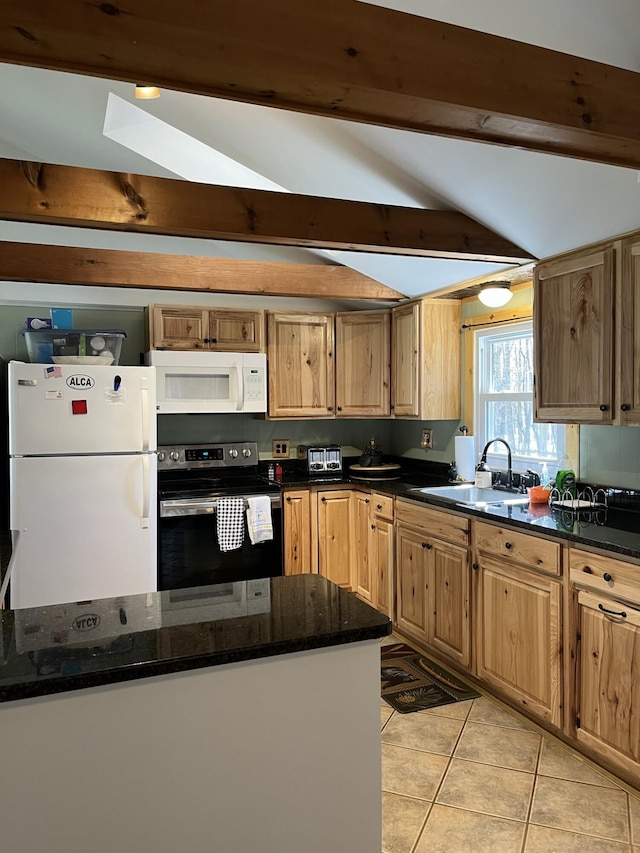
[{"x": 80, "y": 380}]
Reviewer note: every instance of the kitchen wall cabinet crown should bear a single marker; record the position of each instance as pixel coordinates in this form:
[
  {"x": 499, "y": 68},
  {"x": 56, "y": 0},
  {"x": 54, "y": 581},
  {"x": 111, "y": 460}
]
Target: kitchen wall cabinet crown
[
  {"x": 195, "y": 328},
  {"x": 586, "y": 310}
]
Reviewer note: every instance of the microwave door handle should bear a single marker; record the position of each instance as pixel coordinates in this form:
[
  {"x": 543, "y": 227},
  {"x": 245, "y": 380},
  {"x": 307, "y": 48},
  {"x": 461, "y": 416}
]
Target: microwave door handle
[
  {"x": 15, "y": 536},
  {"x": 146, "y": 497},
  {"x": 240, "y": 402}
]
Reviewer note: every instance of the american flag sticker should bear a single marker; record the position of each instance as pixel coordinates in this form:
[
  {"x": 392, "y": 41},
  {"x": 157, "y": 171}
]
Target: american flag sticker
[{"x": 52, "y": 372}]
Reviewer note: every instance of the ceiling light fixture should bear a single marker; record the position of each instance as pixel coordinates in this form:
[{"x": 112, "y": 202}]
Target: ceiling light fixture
[
  {"x": 144, "y": 91},
  {"x": 495, "y": 294}
]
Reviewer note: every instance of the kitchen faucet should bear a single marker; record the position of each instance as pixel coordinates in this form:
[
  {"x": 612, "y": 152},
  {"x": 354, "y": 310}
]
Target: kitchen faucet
[{"x": 483, "y": 458}]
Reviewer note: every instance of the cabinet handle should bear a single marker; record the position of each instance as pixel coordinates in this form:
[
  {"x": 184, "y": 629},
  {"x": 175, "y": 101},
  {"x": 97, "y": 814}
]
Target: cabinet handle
[
  {"x": 508, "y": 546},
  {"x": 367, "y": 500},
  {"x": 213, "y": 341},
  {"x": 339, "y": 408},
  {"x": 427, "y": 546},
  {"x": 323, "y": 500},
  {"x": 329, "y": 408},
  {"x": 625, "y": 407},
  {"x": 205, "y": 340},
  {"x": 392, "y": 407},
  {"x": 475, "y": 567},
  {"x": 622, "y": 614},
  {"x": 288, "y": 498},
  {"x": 587, "y": 570},
  {"x": 607, "y": 577},
  {"x": 373, "y": 527},
  {"x": 604, "y": 408},
  {"x": 378, "y": 506}
]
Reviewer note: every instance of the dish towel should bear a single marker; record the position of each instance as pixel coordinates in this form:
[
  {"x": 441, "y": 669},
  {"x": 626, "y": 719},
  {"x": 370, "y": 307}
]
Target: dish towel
[
  {"x": 230, "y": 523},
  {"x": 259, "y": 519}
]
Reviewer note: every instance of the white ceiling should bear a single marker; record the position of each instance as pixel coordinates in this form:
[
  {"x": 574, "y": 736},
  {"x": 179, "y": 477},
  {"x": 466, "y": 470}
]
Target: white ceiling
[{"x": 543, "y": 203}]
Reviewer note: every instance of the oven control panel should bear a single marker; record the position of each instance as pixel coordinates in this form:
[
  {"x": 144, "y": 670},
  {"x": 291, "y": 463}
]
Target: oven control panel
[{"x": 187, "y": 456}]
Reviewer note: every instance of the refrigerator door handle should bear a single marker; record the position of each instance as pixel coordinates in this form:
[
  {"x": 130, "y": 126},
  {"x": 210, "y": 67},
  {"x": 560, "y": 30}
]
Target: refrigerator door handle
[
  {"x": 15, "y": 536},
  {"x": 240, "y": 400},
  {"x": 146, "y": 497},
  {"x": 144, "y": 403}
]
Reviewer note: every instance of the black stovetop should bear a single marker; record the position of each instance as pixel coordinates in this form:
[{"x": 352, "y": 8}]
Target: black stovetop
[{"x": 174, "y": 485}]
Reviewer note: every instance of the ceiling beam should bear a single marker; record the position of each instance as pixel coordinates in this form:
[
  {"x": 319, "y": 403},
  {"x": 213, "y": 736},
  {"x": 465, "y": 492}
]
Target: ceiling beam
[
  {"x": 112, "y": 268},
  {"x": 345, "y": 59},
  {"x": 89, "y": 198}
]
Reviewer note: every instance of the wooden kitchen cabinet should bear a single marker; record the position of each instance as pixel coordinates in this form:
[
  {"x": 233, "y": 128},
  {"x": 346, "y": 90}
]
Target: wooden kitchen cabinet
[
  {"x": 573, "y": 305},
  {"x": 382, "y": 553},
  {"x": 301, "y": 366},
  {"x": 194, "y": 328},
  {"x": 363, "y": 580},
  {"x": 362, "y": 364},
  {"x": 433, "y": 579},
  {"x": 608, "y": 650},
  {"x": 425, "y": 359},
  {"x": 334, "y": 519},
  {"x": 518, "y": 626},
  {"x": 297, "y": 531},
  {"x": 627, "y": 369}
]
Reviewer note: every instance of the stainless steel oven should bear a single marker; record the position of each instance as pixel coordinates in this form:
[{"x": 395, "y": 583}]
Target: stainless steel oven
[{"x": 191, "y": 481}]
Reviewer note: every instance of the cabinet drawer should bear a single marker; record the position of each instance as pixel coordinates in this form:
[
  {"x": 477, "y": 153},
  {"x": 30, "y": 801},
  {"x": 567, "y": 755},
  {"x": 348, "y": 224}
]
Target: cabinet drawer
[
  {"x": 533, "y": 552},
  {"x": 382, "y": 506},
  {"x": 611, "y": 608},
  {"x": 604, "y": 575},
  {"x": 434, "y": 522}
]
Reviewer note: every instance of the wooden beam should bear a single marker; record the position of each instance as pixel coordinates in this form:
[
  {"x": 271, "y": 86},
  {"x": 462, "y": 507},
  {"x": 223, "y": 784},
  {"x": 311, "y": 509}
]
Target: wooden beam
[
  {"x": 111, "y": 268},
  {"x": 345, "y": 59},
  {"x": 66, "y": 195}
]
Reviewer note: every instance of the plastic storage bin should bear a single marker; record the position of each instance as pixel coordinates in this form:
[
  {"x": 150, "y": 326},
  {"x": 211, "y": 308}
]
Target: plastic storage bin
[{"x": 74, "y": 346}]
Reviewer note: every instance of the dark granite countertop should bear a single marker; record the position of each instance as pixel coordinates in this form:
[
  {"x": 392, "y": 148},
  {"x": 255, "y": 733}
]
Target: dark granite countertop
[
  {"x": 46, "y": 650},
  {"x": 615, "y": 530}
]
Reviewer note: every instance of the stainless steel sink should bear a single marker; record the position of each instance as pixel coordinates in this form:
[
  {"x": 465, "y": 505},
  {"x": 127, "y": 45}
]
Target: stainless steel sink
[{"x": 469, "y": 495}]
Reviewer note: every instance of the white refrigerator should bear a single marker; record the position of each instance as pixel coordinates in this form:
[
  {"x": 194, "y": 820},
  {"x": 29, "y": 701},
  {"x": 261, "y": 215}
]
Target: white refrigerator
[{"x": 83, "y": 478}]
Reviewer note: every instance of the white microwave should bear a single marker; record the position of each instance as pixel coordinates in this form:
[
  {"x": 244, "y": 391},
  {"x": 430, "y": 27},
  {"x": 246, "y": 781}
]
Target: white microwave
[{"x": 209, "y": 382}]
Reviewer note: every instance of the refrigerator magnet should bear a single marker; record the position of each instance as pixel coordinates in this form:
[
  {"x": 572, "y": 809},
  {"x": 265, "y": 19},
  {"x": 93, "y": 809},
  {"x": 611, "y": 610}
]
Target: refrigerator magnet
[{"x": 53, "y": 395}]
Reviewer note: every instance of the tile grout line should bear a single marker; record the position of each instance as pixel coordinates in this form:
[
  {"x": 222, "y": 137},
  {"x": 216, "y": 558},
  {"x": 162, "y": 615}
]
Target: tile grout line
[{"x": 533, "y": 794}]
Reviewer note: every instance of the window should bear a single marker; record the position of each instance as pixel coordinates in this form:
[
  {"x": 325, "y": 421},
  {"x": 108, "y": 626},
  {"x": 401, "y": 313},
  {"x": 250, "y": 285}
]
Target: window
[{"x": 504, "y": 401}]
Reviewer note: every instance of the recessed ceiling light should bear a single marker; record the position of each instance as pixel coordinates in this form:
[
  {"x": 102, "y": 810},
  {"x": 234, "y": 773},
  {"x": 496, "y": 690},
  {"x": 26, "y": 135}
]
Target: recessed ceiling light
[{"x": 143, "y": 91}]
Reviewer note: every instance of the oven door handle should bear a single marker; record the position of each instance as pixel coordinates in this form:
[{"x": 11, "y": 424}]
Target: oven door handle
[{"x": 169, "y": 509}]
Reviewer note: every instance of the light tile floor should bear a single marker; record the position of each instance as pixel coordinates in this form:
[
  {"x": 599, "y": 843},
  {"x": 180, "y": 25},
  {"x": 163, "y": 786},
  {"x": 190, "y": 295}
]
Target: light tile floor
[{"x": 474, "y": 777}]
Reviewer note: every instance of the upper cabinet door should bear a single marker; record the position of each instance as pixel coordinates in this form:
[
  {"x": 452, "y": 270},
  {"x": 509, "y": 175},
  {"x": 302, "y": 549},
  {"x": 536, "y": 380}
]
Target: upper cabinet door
[
  {"x": 628, "y": 334},
  {"x": 362, "y": 364},
  {"x": 405, "y": 362},
  {"x": 301, "y": 366},
  {"x": 236, "y": 331},
  {"x": 176, "y": 327},
  {"x": 573, "y": 333}
]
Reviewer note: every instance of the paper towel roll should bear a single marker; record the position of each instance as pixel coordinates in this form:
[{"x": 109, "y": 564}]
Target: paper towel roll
[{"x": 465, "y": 456}]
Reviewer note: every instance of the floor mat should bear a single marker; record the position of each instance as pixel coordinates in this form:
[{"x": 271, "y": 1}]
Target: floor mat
[{"x": 413, "y": 682}]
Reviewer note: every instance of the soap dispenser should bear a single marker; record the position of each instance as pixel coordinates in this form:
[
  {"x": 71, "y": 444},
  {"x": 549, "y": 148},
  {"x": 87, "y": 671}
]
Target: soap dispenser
[{"x": 483, "y": 476}]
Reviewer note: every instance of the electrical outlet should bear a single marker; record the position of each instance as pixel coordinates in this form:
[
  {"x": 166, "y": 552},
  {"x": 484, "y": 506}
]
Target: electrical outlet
[
  {"x": 427, "y": 438},
  {"x": 280, "y": 447}
]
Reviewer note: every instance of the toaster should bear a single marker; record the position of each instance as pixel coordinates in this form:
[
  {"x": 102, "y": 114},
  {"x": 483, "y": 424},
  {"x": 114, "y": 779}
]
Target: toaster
[{"x": 320, "y": 459}]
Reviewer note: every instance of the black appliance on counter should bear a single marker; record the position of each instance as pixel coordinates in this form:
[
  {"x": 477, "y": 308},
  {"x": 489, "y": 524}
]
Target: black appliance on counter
[{"x": 191, "y": 479}]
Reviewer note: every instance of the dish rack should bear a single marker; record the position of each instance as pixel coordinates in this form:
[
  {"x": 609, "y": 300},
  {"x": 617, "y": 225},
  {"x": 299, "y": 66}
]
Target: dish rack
[{"x": 585, "y": 500}]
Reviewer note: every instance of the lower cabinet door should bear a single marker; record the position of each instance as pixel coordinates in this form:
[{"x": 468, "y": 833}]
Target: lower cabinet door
[
  {"x": 609, "y": 679},
  {"x": 519, "y": 637},
  {"x": 334, "y": 536},
  {"x": 448, "y": 628},
  {"x": 381, "y": 561},
  {"x": 297, "y": 532},
  {"x": 362, "y": 577},
  {"x": 412, "y": 578}
]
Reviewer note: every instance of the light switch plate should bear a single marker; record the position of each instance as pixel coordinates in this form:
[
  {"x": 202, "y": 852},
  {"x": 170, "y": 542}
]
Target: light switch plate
[{"x": 280, "y": 447}]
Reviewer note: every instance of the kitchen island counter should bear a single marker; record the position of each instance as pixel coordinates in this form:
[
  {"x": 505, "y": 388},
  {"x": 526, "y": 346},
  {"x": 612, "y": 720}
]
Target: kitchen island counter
[{"x": 236, "y": 717}]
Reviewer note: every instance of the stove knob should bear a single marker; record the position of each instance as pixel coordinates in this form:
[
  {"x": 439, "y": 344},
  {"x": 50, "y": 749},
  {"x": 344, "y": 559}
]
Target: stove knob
[
  {"x": 246, "y": 452},
  {"x": 161, "y": 456},
  {"x": 174, "y": 456},
  {"x": 233, "y": 453}
]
